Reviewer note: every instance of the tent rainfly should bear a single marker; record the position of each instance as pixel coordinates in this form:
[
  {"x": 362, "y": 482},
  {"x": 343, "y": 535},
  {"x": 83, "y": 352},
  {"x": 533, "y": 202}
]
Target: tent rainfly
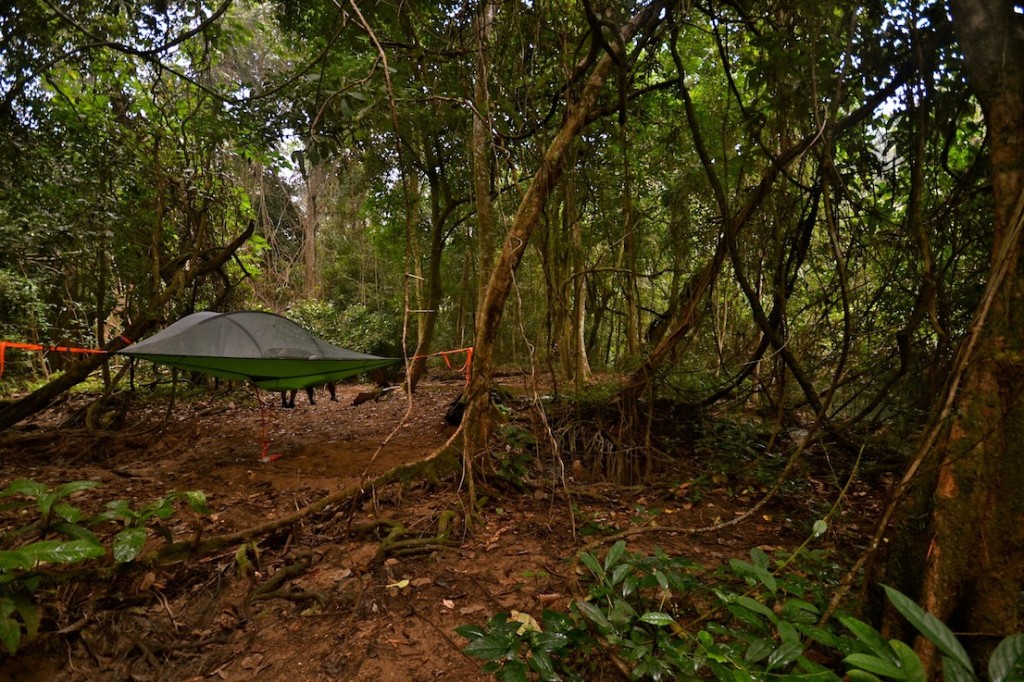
[{"x": 266, "y": 349}]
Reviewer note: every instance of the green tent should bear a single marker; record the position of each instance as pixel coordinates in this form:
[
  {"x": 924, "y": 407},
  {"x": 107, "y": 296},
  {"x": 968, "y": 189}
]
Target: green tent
[{"x": 266, "y": 349}]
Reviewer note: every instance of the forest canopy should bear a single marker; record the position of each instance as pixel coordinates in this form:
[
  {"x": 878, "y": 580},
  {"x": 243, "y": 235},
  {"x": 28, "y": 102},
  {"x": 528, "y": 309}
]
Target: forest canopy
[{"x": 807, "y": 210}]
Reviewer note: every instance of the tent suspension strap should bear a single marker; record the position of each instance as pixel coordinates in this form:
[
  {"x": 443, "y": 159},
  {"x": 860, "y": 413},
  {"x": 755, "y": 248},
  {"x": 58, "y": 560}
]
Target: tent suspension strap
[
  {"x": 4, "y": 345},
  {"x": 444, "y": 355}
]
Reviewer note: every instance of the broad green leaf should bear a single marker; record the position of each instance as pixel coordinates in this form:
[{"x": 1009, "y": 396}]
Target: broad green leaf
[
  {"x": 588, "y": 560},
  {"x": 74, "y": 531},
  {"x": 619, "y": 572},
  {"x": 909, "y": 662},
  {"x": 800, "y": 611},
  {"x": 819, "y": 528},
  {"x": 870, "y": 637},
  {"x": 471, "y": 631},
  {"x": 541, "y": 663},
  {"x": 63, "y": 551},
  {"x": 23, "y": 486},
  {"x": 766, "y": 578},
  {"x": 489, "y": 647},
  {"x": 549, "y": 641},
  {"x": 785, "y": 654},
  {"x": 862, "y": 676},
  {"x": 197, "y": 501},
  {"x": 756, "y": 607},
  {"x": 593, "y": 614},
  {"x": 758, "y": 650},
  {"x": 874, "y": 664},
  {"x": 929, "y": 626},
  {"x": 954, "y": 672},
  {"x": 73, "y": 487},
  {"x": 657, "y": 618},
  {"x": 10, "y": 634},
  {"x": 614, "y": 554},
  {"x": 128, "y": 543},
  {"x": 759, "y": 557},
  {"x": 621, "y": 614},
  {"x": 514, "y": 671},
  {"x": 12, "y": 559},
  {"x": 1008, "y": 657},
  {"x": 67, "y": 512},
  {"x": 30, "y": 615}
]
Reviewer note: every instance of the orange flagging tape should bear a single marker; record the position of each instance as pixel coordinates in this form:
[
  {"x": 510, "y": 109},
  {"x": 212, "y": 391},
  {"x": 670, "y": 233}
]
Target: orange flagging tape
[
  {"x": 444, "y": 355},
  {"x": 4, "y": 345}
]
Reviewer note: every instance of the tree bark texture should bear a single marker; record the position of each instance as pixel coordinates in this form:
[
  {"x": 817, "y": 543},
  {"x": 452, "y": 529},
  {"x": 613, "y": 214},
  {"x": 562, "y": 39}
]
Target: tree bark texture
[{"x": 975, "y": 565}]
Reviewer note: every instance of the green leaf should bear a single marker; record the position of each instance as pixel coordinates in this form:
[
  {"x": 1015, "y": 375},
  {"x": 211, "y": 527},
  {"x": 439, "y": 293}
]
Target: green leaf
[
  {"x": 23, "y": 486},
  {"x": 614, "y": 554},
  {"x": 12, "y": 559},
  {"x": 549, "y": 641},
  {"x": 30, "y": 615},
  {"x": 514, "y": 671},
  {"x": 593, "y": 614},
  {"x": 197, "y": 501},
  {"x": 870, "y": 637},
  {"x": 128, "y": 543},
  {"x": 758, "y": 650},
  {"x": 756, "y": 606},
  {"x": 67, "y": 512},
  {"x": 800, "y": 611},
  {"x": 766, "y": 578},
  {"x": 785, "y": 654},
  {"x": 862, "y": 676},
  {"x": 759, "y": 557},
  {"x": 930, "y": 626},
  {"x": 1006, "y": 659},
  {"x": 588, "y": 560},
  {"x": 874, "y": 664},
  {"x": 471, "y": 631},
  {"x": 73, "y": 487},
  {"x": 819, "y": 528},
  {"x": 63, "y": 551},
  {"x": 10, "y": 634},
  {"x": 74, "y": 531},
  {"x": 618, "y": 573},
  {"x": 657, "y": 618},
  {"x": 954, "y": 672},
  {"x": 913, "y": 671},
  {"x": 541, "y": 663},
  {"x": 489, "y": 647}
]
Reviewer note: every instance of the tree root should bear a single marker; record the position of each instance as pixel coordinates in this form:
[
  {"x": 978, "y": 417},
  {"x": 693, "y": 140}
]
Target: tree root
[
  {"x": 400, "y": 542},
  {"x": 437, "y": 465}
]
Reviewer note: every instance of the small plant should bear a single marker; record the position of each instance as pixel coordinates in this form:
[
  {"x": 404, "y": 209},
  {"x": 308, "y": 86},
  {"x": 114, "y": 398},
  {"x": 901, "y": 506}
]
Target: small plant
[
  {"x": 64, "y": 536},
  {"x": 896, "y": 660},
  {"x": 762, "y": 628}
]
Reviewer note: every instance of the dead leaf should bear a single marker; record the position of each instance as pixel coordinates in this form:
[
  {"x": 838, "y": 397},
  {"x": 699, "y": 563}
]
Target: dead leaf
[
  {"x": 448, "y": 603},
  {"x": 466, "y": 610}
]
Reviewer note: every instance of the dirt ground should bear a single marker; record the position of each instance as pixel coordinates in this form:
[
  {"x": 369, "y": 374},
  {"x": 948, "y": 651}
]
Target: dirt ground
[{"x": 346, "y": 613}]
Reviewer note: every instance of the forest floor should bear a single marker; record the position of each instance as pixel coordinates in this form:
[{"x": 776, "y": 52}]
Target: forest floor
[{"x": 345, "y": 612}]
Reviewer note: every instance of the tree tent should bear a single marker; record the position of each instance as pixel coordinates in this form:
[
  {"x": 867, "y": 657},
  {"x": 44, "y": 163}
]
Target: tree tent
[{"x": 269, "y": 350}]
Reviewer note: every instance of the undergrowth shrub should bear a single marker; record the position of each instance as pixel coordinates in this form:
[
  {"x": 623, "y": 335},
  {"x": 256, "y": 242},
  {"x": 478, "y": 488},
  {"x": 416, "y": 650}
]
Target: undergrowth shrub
[
  {"x": 664, "y": 618},
  {"x": 44, "y": 533}
]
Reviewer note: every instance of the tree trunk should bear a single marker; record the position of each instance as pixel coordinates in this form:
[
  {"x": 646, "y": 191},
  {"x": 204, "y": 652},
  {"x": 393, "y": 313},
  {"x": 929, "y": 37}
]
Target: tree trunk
[
  {"x": 975, "y": 566},
  {"x": 477, "y": 423},
  {"x": 481, "y": 149}
]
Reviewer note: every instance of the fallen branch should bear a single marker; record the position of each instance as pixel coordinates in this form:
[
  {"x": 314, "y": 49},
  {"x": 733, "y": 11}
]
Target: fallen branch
[{"x": 437, "y": 465}]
